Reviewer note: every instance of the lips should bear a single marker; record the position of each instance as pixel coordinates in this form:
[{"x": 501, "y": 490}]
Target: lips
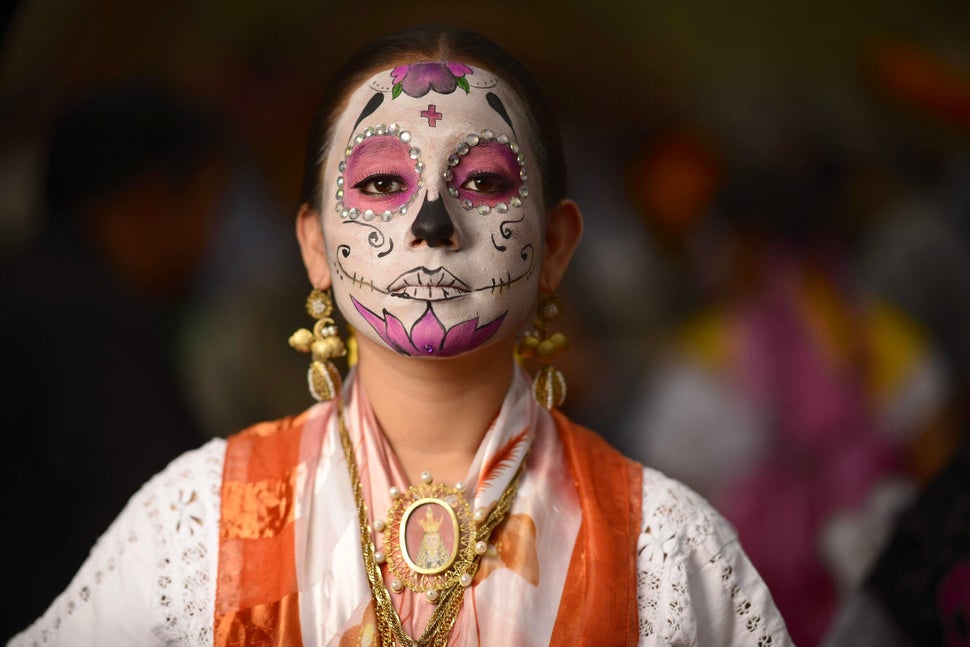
[{"x": 428, "y": 285}]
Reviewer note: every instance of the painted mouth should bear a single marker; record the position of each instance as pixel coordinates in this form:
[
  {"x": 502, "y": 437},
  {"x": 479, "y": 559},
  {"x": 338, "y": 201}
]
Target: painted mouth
[{"x": 428, "y": 285}]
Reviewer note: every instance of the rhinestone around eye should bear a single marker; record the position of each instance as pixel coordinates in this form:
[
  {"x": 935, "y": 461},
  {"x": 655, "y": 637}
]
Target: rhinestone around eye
[
  {"x": 379, "y": 130},
  {"x": 340, "y": 194},
  {"x": 524, "y": 192},
  {"x": 523, "y": 175},
  {"x": 354, "y": 213},
  {"x": 514, "y": 147},
  {"x": 453, "y": 192},
  {"x": 463, "y": 148},
  {"x": 369, "y": 214},
  {"x": 484, "y": 210},
  {"x": 515, "y": 202},
  {"x": 358, "y": 139},
  {"x": 349, "y": 151},
  {"x": 487, "y": 134},
  {"x": 503, "y": 139},
  {"x": 403, "y": 211},
  {"x": 342, "y": 167},
  {"x": 453, "y": 160},
  {"x": 419, "y": 167},
  {"x": 368, "y": 132},
  {"x": 466, "y": 204},
  {"x": 386, "y": 216},
  {"x": 340, "y": 207},
  {"x": 405, "y": 136},
  {"x": 448, "y": 176},
  {"x": 520, "y": 158},
  {"x": 501, "y": 207},
  {"x": 472, "y": 139},
  {"x": 340, "y": 182},
  {"x": 345, "y": 214},
  {"x": 414, "y": 153},
  {"x": 393, "y": 129}
]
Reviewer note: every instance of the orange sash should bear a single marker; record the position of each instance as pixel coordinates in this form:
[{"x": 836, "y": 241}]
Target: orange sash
[{"x": 256, "y": 591}]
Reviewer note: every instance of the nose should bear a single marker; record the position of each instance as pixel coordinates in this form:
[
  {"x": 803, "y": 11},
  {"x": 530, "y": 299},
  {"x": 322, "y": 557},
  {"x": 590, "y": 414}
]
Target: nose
[{"x": 433, "y": 226}]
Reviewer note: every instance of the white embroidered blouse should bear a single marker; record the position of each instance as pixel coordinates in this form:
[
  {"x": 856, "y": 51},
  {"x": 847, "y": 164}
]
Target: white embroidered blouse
[{"x": 151, "y": 578}]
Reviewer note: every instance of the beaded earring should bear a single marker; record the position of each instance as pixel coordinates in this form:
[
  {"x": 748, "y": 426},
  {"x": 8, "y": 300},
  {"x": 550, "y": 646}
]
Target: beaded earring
[
  {"x": 323, "y": 378},
  {"x": 549, "y": 385}
]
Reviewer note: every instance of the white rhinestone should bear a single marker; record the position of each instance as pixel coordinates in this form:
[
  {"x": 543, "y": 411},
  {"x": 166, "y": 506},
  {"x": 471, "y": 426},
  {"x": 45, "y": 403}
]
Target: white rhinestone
[
  {"x": 484, "y": 210},
  {"x": 405, "y": 136},
  {"x": 380, "y": 129},
  {"x": 472, "y": 139},
  {"x": 354, "y": 214},
  {"x": 393, "y": 129},
  {"x": 453, "y": 192},
  {"x": 463, "y": 148},
  {"x": 513, "y": 147},
  {"x": 369, "y": 214},
  {"x": 448, "y": 175},
  {"x": 515, "y": 202},
  {"x": 503, "y": 139},
  {"x": 345, "y": 214},
  {"x": 340, "y": 194},
  {"x": 419, "y": 167},
  {"x": 453, "y": 160},
  {"x": 403, "y": 211},
  {"x": 414, "y": 153},
  {"x": 466, "y": 204},
  {"x": 523, "y": 175},
  {"x": 520, "y": 158},
  {"x": 487, "y": 134},
  {"x": 386, "y": 216},
  {"x": 348, "y": 152},
  {"x": 340, "y": 182},
  {"x": 501, "y": 207},
  {"x": 368, "y": 132},
  {"x": 524, "y": 192},
  {"x": 358, "y": 139},
  {"x": 342, "y": 167}
]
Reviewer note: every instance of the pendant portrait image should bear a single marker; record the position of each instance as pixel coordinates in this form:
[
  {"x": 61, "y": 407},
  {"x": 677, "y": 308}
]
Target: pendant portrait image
[{"x": 429, "y": 536}]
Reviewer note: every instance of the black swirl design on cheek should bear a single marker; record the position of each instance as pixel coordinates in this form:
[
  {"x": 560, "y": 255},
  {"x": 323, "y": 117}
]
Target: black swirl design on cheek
[
  {"x": 527, "y": 252},
  {"x": 506, "y": 232},
  {"x": 375, "y": 238}
]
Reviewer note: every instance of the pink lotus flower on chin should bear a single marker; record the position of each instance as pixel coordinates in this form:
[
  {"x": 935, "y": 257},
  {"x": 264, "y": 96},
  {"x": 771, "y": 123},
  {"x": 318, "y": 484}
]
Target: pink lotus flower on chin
[{"x": 428, "y": 336}]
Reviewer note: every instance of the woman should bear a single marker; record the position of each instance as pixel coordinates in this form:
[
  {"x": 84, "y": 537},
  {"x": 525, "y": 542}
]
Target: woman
[{"x": 433, "y": 207}]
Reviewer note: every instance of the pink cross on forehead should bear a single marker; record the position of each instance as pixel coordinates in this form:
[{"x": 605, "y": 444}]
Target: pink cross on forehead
[{"x": 432, "y": 115}]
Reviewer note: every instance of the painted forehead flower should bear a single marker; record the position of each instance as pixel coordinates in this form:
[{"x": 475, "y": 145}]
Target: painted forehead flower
[{"x": 417, "y": 79}]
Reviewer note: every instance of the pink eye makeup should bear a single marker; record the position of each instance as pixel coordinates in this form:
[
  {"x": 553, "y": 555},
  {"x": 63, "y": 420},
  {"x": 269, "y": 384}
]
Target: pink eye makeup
[
  {"x": 487, "y": 173},
  {"x": 379, "y": 175}
]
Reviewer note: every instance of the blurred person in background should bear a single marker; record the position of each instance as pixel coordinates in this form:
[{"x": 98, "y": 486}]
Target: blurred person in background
[
  {"x": 793, "y": 399},
  {"x": 93, "y": 405}
]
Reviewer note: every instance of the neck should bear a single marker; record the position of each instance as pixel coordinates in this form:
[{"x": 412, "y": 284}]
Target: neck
[{"x": 435, "y": 412}]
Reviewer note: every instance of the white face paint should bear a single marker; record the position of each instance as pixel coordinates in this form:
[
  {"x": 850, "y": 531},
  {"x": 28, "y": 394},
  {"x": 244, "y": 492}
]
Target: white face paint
[{"x": 433, "y": 237}]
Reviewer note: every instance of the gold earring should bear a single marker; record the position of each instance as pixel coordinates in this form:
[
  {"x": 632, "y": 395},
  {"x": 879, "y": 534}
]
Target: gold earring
[
  {"x": 549, "y": 385},
  {"x": 323, "y": 378}
]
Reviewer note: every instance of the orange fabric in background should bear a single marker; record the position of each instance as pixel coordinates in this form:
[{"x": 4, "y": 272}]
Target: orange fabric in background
[{"x": 599, "y": 601}]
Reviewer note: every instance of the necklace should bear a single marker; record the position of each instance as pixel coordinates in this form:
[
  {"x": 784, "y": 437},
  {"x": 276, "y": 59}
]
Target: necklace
[{"x": 442, "y": 574}]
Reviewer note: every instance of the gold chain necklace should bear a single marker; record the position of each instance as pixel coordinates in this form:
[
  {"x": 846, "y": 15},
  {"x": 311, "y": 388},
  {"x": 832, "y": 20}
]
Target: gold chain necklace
[{"x": 448, "y": 591}]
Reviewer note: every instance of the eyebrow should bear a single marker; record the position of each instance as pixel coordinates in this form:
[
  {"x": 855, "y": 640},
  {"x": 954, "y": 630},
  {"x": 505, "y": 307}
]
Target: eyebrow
[
  {"x": 372, "y": 105},
  {"x": 496, "y": 104}
]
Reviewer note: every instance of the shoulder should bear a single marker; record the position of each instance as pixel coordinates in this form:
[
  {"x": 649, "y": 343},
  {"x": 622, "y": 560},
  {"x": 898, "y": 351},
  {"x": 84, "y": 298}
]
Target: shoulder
[
  {"x": 695, "y": 585},
  {"x": 150, "y": 578}
]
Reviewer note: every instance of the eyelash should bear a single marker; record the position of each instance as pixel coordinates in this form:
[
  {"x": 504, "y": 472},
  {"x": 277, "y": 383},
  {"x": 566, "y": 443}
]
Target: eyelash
[{"x": 381, "y": 175}]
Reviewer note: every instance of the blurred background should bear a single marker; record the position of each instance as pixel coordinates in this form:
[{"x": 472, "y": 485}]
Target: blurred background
[{"x": 771, "y": 301}]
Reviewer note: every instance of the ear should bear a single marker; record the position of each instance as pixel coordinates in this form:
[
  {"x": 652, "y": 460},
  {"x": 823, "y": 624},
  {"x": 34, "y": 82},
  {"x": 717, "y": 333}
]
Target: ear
[
  {"x": 564, "y": 228},
  {"x": 310, "y": 234}
]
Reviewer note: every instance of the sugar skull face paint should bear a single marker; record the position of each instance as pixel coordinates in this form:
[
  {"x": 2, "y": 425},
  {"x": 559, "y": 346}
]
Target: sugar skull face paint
[{"x": 433, "y": 239}]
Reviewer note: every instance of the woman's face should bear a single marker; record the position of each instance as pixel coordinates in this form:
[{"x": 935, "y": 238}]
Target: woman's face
[{"x": 432, "y": 210}]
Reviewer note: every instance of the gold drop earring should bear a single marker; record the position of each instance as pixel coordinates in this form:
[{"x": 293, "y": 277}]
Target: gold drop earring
[
  {"x": 323, "y": 378},
  {"x": 549, "y": 385}
]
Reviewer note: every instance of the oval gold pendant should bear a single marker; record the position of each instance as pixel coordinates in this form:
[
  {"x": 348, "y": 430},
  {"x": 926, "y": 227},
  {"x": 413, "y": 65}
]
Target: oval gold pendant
[{"x": 428, "y": 537}]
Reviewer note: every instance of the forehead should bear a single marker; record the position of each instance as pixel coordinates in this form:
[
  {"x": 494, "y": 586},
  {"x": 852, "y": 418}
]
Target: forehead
[{"x": 434, "y": 99}]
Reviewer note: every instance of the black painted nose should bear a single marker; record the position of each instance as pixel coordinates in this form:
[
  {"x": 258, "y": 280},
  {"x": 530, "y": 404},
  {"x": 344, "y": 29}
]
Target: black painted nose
[{"x": 433, "y": 224}]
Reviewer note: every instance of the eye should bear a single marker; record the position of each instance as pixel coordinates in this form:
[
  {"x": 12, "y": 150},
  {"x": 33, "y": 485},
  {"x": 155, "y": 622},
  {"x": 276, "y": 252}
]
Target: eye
[
  {"x": 487, "y": 183},
  {"x": 381, "y": 184}
]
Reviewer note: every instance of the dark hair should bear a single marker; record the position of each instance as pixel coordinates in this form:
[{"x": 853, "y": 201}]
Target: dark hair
[
  {"x": 106, "y": 139},
  {"x": 432, "y": 43}
]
